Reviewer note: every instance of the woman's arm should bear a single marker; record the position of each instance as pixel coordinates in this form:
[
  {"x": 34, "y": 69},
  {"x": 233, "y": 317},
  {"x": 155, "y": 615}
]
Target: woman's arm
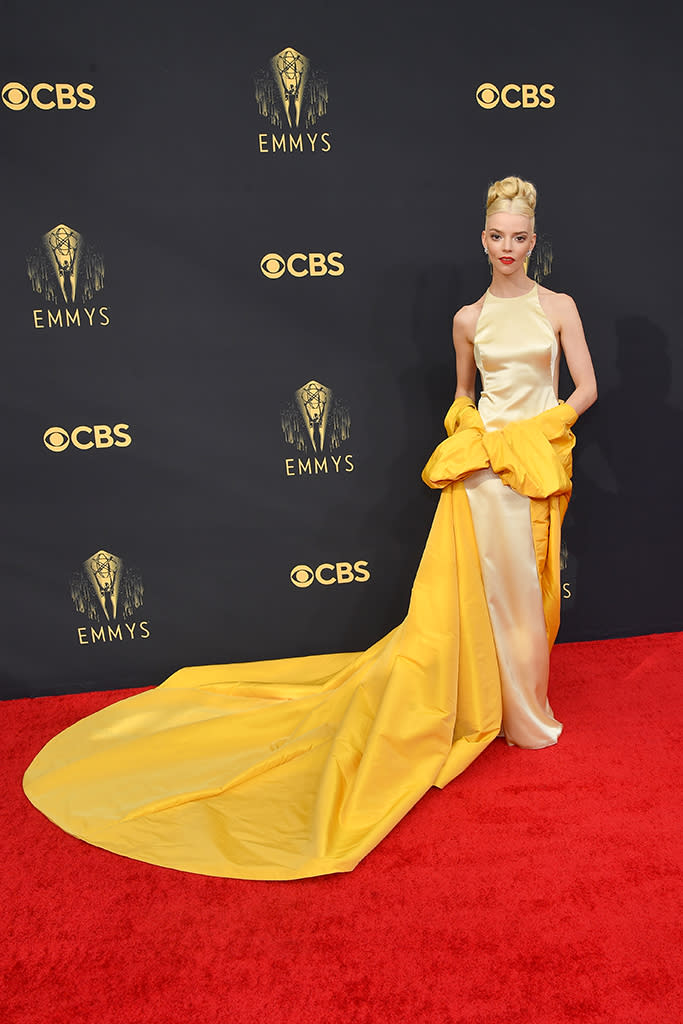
[
  {"x": 465, "y": 366},
  {"x": 576, "y": 353}
]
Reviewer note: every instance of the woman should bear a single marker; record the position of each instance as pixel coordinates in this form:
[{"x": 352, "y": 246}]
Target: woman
[
  {"x": 513, "y": 335},
  {"x": 298, "y": 767}
]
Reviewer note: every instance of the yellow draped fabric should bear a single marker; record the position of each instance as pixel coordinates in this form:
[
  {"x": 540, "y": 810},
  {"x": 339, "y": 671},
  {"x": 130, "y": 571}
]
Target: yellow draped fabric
[
  {"x": 534, "y": 458},
  {"x": 299, "y": 767}
]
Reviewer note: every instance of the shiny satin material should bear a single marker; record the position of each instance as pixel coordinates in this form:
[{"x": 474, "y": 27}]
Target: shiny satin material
[
  {"x": 516, "y": 351},
  {"x": 505, "y": 542},
  {"x": 299, "y": 767}
]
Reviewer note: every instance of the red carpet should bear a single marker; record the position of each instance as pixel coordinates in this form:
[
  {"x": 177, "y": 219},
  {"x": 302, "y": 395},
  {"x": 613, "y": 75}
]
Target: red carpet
[{"x": 540, "y": 886}]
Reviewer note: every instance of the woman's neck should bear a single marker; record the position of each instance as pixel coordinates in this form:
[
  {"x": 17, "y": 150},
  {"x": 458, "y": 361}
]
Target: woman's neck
[{"x": 504, "y": 287}]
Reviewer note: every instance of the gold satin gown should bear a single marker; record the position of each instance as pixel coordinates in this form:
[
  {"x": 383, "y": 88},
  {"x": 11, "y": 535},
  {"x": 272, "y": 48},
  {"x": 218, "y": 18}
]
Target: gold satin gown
[{"x": 299, "y": 767}]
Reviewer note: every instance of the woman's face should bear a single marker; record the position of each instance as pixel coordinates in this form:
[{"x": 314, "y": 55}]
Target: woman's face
[{"x": 508, "y": 238}]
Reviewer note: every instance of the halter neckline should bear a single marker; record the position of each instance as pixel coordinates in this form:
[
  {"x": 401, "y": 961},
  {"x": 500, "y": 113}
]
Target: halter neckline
[{"x": 506, "y": 298}]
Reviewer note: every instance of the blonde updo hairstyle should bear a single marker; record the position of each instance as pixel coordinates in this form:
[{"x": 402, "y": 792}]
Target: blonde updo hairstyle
[{"x": 512, "y": 195}]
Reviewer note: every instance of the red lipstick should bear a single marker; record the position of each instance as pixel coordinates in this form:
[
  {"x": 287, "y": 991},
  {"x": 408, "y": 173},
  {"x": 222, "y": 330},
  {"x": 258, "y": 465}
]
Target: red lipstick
[{"x": 506, "y": 259}]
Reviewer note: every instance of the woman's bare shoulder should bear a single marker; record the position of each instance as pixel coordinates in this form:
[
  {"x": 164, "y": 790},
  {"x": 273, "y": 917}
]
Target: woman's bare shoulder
[
  {"x": 465, "y": 320},
  {"x": 559, "y": 302}
]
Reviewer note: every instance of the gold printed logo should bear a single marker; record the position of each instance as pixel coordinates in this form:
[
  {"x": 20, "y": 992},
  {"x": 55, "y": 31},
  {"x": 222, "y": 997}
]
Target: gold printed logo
[
  {"x": 64, "y": 268},
  {"x": 300, "y": 264},
  {"x": 327, "y": 573},
  {"x": 44, "y": 96},
  {"x": 317, "y": 424},
  {"x": 57, "y": 439},
  {"x": 108, "y": 593},
  {"x": 67, "y": 272},
  {"x": 512, "y": 96},
  {"x": 315, "y": 421},
  {"x": 292, "y": 96}
]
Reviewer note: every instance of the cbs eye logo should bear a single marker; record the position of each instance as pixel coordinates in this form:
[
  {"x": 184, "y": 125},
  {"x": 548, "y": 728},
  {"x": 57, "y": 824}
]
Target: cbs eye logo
[
  {"x": 46, "y": 97},
  {"x": 512, "y": 96},
  {"x": 57, "y": 439},
  {"x": 299, "y": 264},
  {"x": 328, "y": 573}
]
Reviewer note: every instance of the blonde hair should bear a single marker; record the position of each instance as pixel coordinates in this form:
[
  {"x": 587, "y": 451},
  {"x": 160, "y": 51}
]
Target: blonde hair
[{"x": 512, "y": 195}]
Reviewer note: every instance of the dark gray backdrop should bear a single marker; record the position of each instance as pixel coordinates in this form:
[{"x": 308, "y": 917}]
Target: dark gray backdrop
[{"x": 164, "y": 182}]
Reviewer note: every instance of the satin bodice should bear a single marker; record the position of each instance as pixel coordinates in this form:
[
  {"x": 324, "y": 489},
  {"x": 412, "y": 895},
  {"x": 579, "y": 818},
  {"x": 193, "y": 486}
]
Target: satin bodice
[{"x": 515, "y": 350}]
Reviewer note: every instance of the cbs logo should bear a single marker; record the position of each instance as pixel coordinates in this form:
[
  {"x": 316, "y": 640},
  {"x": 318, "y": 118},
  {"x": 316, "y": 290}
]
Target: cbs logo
[
  {"x": 299, "y": 264},
  {"x": 46, "y": 97},
  {"x": 328, "y": 573},
  {"x": 56, "y": 439},
  {"x": 489, "y": 96}
]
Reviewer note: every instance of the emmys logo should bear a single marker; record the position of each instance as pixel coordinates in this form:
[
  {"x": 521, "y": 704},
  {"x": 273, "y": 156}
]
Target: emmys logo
[
  {"x": 109, "y": 593},
  {"x": 513, "y": 96},
  {"x": 327, "y": 573},
  {"x": 67, "y": 272},
  {"x": 57, "y": 439},
  {"x": 299, "y": 264},
  {"x": 292, "y": 96},
  {"x": 60, "y": 96},
  {"x": 317, "y": 424}
]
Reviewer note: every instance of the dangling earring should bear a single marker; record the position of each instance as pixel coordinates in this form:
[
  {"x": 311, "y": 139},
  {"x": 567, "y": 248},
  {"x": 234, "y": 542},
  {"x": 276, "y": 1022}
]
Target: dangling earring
[
  {"x": 529, "y": 253},
  {"x": 486, "y": 252}
]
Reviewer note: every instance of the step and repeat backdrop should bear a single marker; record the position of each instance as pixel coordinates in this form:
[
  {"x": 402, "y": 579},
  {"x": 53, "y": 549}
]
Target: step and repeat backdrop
[{"x": 233, "y": 243}]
